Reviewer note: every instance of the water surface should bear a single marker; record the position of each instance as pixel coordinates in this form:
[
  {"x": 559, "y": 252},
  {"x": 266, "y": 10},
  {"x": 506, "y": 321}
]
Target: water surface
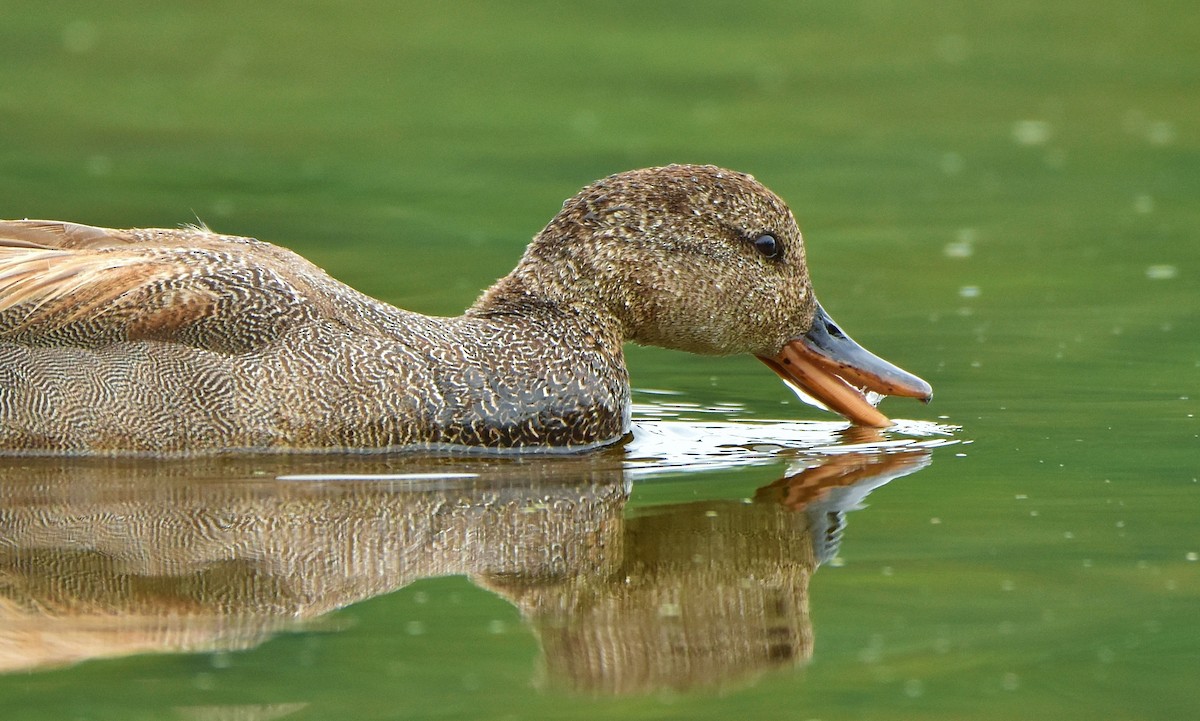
[{"x": 999, "y": 197}]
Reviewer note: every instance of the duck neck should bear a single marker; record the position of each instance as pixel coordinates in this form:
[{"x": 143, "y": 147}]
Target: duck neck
[
  {"x": 560, "y": 367},
  {"x": 527, "y": 294}
]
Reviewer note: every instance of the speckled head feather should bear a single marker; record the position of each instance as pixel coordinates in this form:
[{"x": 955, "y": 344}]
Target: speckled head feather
[
  {"x": 171, "y": 342},
  {"x": 670, "y": 252}
]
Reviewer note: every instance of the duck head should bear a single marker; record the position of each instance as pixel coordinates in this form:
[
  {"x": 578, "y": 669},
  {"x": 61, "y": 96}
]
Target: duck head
[{"x": 707, "y": 260}]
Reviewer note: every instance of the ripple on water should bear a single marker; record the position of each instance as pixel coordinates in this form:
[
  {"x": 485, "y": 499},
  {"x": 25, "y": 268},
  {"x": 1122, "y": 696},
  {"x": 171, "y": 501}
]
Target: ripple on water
[{"x": 674, "y": 437}]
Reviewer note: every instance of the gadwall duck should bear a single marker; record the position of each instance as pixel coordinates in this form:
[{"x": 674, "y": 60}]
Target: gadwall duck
[{"x": 178, "y": 341}]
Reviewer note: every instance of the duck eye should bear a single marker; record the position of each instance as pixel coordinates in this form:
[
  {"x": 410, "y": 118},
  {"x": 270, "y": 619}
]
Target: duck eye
[{"x": 767, "y": 246}]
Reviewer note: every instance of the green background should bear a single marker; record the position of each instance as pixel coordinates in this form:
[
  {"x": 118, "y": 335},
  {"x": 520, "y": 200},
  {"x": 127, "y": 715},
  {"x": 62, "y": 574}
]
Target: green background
[{"x": 1000, "y": 197}]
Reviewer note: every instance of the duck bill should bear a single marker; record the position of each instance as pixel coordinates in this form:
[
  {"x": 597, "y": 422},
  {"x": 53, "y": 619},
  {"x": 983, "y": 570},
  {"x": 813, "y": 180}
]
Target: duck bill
[{"x": 827, "y": 365}]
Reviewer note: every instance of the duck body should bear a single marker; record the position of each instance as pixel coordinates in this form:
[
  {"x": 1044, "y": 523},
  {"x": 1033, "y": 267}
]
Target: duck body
[
  {"x": 245, "y": 346},
  {"x": 180, "y": 341}
]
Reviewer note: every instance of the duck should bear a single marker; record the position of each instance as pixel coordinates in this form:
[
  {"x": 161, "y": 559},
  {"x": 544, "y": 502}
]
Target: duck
[{"x": 182, "y": 341}]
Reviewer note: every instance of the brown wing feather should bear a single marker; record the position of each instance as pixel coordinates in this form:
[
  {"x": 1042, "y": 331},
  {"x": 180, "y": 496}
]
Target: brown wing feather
[
  {"x": 77, "y": 284},
  {"x": 59, "y": 234}
]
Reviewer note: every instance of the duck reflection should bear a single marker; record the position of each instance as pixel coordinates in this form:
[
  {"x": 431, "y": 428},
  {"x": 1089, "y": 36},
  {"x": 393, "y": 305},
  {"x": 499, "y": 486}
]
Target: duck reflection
[{"x": 110, "y": 558}]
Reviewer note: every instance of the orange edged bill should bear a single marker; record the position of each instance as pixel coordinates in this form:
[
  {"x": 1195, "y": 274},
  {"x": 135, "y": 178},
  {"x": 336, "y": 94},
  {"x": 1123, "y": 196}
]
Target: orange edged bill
[{"x": 827, "y": 365}]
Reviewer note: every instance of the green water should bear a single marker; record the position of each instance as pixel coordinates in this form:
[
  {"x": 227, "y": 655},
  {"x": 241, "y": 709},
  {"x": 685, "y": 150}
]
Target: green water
[{"x": 1000, "y": 197}]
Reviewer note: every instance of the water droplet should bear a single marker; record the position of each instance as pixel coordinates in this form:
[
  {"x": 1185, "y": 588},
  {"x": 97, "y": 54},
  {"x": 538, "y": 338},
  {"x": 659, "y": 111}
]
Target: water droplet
[
  {"x": 1192, "y": 556},
  {"x": 1160, "y": 132},
  {"x": 414, "y": 628},
  {"x": 1143, "y": 204},
  {"x": 958, "y": 250},
  {"x": 968, "y": 291},
  {"x": 1161, "y": 272},
  {"x": 1031, "y": 132}
]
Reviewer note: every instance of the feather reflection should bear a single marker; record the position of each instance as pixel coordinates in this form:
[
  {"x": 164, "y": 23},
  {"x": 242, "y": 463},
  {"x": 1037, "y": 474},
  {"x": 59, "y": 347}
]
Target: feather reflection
[{"x": 110, "y": 558}]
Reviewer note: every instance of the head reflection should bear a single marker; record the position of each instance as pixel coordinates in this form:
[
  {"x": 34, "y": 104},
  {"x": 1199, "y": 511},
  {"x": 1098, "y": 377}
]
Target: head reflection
[{"x": 109, "y": 558}]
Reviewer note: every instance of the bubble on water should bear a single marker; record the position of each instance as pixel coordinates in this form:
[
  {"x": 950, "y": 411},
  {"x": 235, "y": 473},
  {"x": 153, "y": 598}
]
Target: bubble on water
[
  {"x": 1010, "y": 682},
  {"x": 1161, "y": 271},
  {"x": 1192, "y": 556},
  {"x": 1155, "y": 132},
  {"x": 1143, "y": 204},
  {"x": 414, "y": 628},
  {"x": 497, "y": 626},
  {"x": 1160, "y": 132},
  {"x": 80, "y": 36},
  {"x": 952, "y": 163},
  {"x": 873, "y": 653},
  {"x": 958, "y": 249},
  {"x": 1031, "y": 132},
  {"x": 968, "y": 291}
]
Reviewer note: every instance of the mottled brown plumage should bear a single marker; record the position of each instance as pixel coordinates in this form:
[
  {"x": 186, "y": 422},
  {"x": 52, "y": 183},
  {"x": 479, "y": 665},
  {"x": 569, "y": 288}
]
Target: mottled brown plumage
[{"x": 182, "y": 341}]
